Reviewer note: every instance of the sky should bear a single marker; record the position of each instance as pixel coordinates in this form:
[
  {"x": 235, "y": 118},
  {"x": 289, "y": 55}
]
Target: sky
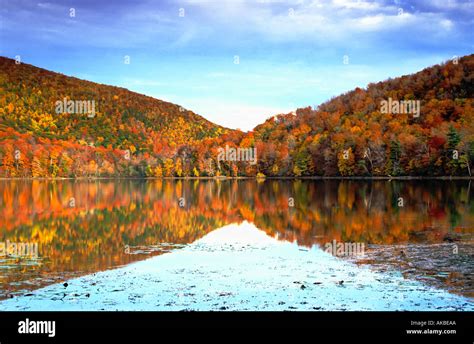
[{"x": 236, "y": 62}]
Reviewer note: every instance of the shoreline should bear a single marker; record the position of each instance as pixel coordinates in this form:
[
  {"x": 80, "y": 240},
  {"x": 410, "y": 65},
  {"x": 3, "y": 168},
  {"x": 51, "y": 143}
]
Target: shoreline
[{"x": 407, "y": 178}]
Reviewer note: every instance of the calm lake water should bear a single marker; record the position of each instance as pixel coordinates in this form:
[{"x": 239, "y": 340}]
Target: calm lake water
[{"x": 423, "y": 229}]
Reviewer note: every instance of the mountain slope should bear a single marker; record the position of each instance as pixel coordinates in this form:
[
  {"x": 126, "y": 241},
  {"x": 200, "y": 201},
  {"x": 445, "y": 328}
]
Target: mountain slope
[
  {"x": 34, "y": 91},
  {"x": 135, "y": 135},
  {"x": 137, "y": 125},
  {"x": 351, "y": 134}
]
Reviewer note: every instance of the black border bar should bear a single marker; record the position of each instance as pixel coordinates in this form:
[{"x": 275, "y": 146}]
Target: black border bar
[{"x": 363, "y": 326}]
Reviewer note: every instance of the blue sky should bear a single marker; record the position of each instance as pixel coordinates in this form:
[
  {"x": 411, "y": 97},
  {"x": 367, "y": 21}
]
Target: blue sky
[{"x": 290, "y": 53}]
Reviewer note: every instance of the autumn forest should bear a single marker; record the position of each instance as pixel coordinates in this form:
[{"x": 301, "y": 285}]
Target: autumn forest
[{"x": 133, "y": 135}]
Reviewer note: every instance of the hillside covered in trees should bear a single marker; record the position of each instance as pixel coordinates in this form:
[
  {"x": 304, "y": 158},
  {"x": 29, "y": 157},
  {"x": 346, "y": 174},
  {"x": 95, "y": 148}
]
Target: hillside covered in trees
[
  {"x": 127, "y": 133},
  {"x": 350, "y": 135},
  {"x": 134, "y": 135}
]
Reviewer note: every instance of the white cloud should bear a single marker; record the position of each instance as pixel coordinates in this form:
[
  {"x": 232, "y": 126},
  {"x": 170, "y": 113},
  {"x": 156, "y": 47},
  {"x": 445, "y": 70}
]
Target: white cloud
[
  {"x": 371, "y": 21},
  {"x": 237, "y": 115},
  {"x": 318, "y": 21},
  {"x": 322, "y": 21},
  {"x": 228, "y": 114},
  {"x": 356, "y": 4},
  {"x": 446, "y": 24}
]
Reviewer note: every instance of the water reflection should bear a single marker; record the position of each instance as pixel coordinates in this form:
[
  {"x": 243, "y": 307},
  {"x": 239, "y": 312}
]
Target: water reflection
[{"x": 87, "y": 226}]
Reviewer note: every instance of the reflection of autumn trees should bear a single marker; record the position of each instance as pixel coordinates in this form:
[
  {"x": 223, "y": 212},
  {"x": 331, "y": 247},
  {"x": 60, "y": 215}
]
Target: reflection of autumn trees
[
  {"x": 364, "y": 212},
  {"x": 108, "y": 215}
]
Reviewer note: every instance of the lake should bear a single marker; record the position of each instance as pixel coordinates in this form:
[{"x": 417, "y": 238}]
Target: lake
[{"x": 419, "y": 231}]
